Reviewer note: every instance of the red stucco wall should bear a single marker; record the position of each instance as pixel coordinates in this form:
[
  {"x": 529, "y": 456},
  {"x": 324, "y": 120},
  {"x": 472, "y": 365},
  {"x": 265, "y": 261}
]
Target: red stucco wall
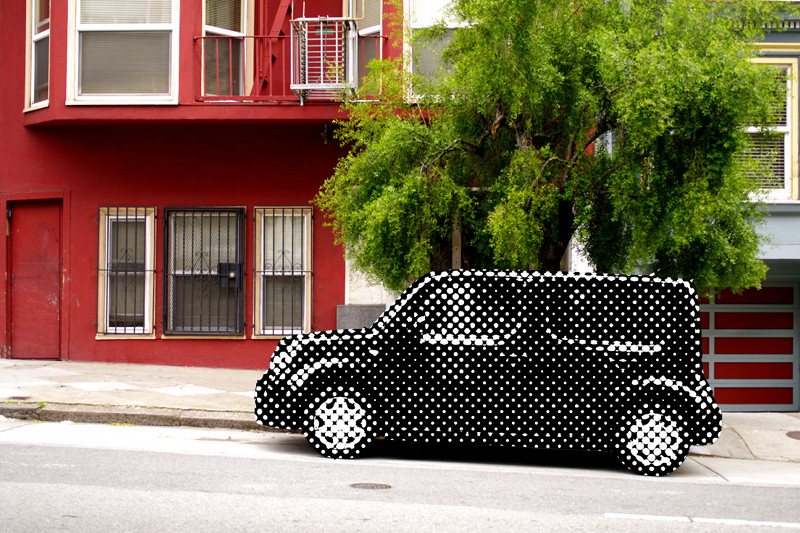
[{"x": 187, "y": 160}]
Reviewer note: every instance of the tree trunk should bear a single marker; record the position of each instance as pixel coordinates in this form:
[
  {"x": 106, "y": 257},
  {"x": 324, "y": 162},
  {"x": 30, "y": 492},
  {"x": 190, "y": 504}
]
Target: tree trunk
[{"x": 555, "y": 245}]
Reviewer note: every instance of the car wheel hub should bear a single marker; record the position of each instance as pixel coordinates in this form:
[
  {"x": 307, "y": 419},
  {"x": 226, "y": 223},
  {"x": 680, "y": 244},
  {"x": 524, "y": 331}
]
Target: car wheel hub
[
  {"x": 339, "y": 423},
  {"x": 654, "y": 439}
]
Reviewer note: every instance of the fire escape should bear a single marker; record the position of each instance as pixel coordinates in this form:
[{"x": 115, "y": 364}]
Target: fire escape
[{"x": 321, "y": 59}]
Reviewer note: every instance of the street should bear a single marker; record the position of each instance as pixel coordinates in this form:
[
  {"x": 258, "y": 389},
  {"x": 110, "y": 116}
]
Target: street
[{"x": 85, "y": 477}]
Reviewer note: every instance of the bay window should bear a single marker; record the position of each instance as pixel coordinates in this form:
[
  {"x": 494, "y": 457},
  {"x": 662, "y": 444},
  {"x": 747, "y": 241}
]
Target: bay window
[
  {"x": 426, "y": 54},
  {"x": 775, "y": 146},
  {"x": 223, "y": 50},
  {"x": 39, "y": 52},
  {"x": 126, "y": 50}
]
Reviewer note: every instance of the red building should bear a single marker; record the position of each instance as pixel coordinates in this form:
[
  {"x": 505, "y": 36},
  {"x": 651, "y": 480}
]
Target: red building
[
  {"x": 159, "y": 158},
  {"x": 158, "y": 162}
]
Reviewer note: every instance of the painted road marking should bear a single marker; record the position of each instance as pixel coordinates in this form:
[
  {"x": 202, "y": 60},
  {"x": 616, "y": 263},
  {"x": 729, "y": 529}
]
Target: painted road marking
[{"x": 699, "y": 520}]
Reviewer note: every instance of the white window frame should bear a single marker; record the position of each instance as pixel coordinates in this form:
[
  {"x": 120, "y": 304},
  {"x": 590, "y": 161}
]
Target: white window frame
[
  {"x": 789, "y": 192},
  {"x": 431, "y": 14},
  {"x": 73, "y": 49},
  {"x": 245, "y": 77},
  {"x": 108, "y": 215},
  {"x": 260, "y": 275},
  {"x": 34, "y": 38},
  {"x": 172, "y": 328},
  {"x": 356, "y": 10}
]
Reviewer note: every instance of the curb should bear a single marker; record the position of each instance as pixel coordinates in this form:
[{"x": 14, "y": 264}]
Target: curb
[{"x": 140, "y": 416}]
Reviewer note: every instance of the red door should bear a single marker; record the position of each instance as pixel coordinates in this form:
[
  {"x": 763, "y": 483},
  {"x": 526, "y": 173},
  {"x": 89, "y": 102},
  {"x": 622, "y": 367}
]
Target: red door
[{"x": 35, "y": 268}]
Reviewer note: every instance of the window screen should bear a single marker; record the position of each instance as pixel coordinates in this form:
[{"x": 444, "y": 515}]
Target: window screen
[
  {"x": 126, "y": 12},
  {"x": 428, "y": 54},
  {"x": 125, "y": 48},
  {"x": 125, "y": 62},
  {"x": 226, "y": 14},
  {"x": 770, "y": 149}
]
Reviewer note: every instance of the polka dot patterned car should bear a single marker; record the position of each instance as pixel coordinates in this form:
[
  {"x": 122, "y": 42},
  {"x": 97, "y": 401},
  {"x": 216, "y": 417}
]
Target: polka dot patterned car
[{"x": 507, "y": 358}]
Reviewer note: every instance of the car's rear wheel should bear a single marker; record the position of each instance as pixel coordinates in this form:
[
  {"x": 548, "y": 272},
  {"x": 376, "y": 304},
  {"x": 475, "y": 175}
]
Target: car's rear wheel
[
  {"x": 339, "y": 423},
  {"x": 652, "y": 443}
]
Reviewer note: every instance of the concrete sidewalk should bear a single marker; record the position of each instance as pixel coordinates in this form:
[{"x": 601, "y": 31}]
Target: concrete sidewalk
[{"x": 213, "y": 397}]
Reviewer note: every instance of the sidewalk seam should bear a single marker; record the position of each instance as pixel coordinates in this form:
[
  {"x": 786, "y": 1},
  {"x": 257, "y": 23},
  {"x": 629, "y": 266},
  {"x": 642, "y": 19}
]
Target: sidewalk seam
[{"x": 743, "y": 442}]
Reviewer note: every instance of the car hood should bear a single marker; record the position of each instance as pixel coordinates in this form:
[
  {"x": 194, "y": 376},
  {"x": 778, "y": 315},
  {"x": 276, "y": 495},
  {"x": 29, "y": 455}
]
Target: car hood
[{"x": 298, "y": 357}]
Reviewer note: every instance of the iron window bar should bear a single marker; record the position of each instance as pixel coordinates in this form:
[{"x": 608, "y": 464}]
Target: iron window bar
[
  {"x": 125, "y": 271},
  {"x": 204, "y": 254},
  {"x": 283, "y": 270}
]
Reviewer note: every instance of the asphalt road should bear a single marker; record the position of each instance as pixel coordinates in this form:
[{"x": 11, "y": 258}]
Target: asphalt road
[{"x": 84, "y": 477}]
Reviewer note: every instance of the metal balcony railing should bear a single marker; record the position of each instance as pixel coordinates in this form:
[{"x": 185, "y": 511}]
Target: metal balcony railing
[
  {"x": 324, "y": 58},
  {"x": 252, "y": 68}
]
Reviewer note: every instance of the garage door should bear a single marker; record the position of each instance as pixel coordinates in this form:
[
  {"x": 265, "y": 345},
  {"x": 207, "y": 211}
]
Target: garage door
[{"x": 750, "y": 348}]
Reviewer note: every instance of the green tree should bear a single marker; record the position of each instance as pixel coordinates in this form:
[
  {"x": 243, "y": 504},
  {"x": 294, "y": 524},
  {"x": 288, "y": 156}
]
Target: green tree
[{"x": 502, "y": 144}]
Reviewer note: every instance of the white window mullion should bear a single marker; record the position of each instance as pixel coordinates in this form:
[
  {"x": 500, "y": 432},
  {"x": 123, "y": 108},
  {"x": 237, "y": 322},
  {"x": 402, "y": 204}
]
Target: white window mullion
[{"x": 222, "y": 31}]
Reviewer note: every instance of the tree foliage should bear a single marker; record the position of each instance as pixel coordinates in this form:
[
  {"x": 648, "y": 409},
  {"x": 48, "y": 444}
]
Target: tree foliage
[{"x": 505, "y": 140}]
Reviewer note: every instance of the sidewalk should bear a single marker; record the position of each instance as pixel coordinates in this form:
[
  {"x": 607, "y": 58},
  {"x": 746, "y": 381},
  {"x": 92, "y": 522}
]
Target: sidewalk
[{"x": 213, "y": 397}]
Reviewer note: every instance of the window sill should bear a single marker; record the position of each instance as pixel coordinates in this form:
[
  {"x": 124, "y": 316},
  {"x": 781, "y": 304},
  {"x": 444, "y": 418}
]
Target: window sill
[
  {"x": 38, "y": 105},
  {"x": 266, "y": 337},
  {"x": 204, "y": 337},
  {"x": 128, "y": 100},
  {"x": 124, "y": 337}
]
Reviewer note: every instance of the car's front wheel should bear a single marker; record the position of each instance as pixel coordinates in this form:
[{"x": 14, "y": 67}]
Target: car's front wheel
[
  {"x": 652, "y": 443},
  {"x": 339, "y": 423}
]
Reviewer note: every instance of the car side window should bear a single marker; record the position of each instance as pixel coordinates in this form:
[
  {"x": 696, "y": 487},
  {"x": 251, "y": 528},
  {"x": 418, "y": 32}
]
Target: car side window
[
  {"x": 596, "y": 316},
  {"x": 470, "y": 311}
]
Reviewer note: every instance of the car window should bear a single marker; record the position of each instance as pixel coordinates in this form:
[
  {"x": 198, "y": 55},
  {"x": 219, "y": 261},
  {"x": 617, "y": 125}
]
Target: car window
[
  {"x": 609, "y": 315},
  {"x": 482, "y": 311}
]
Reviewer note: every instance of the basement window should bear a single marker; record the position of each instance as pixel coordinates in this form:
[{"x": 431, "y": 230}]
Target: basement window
[
  {"x": 204, "y": 259},
  {"x": 126, "y": 270},
  {"x": 283, "y": 271}
]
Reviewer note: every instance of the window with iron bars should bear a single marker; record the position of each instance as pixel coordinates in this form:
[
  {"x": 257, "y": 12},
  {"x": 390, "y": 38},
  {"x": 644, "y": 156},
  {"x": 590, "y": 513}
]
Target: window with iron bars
[
  {"x": 204, "y": 286},
  {"x": 126, "y": 269},
  {"x": 283, "y": 271}
]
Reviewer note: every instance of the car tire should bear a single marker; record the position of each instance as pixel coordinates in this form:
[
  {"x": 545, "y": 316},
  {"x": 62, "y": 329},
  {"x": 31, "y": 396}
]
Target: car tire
[
  {"x": 339, "y": 423},
  {"x": 652, "y": 442}
]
